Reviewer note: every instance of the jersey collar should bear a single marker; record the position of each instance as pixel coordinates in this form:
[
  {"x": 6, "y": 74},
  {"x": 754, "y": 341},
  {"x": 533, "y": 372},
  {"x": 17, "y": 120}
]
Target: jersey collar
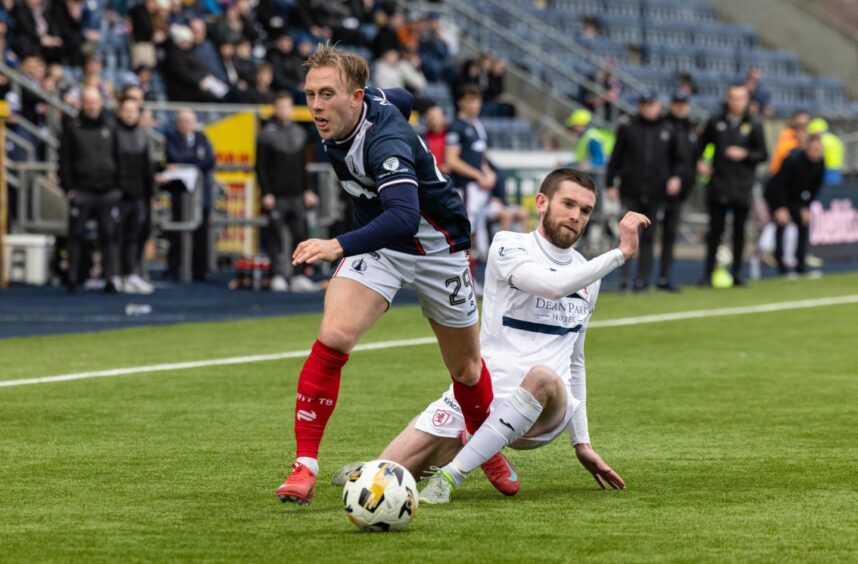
[
  {"x": 356, "y": 128},
  {"x": 554, "y": 254}
]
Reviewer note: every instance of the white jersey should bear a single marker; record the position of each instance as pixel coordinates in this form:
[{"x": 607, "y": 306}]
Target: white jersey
[{"x": 520, "y": 329}]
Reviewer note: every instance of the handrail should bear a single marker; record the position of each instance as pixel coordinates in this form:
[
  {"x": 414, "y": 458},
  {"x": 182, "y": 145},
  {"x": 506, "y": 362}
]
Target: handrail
[{"x": 22, "y": 81}]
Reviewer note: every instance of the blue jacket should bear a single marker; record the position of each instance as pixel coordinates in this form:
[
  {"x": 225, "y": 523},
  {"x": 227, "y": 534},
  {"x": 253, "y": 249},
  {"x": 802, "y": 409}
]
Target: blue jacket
[{"x": 199, "y": 153}]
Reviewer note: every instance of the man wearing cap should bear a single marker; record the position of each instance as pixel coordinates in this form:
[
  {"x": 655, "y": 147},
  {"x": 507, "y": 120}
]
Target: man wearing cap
[
  {"x": 686, "y": 134},
  {"x": 592, "y": 145},
  {"x": 646, "y": 162}
]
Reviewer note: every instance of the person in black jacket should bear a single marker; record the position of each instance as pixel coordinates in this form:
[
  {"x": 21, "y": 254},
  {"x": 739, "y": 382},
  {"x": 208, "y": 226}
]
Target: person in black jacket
[
  {"x": 645, "y": 160},
  {"x": 739, "y": 147},
  {"x": 685, "y": 132},
  {"x": 136, "y": 180},
  {"x": 36, "y": 32},
  {"x": 281, "y": 159},
  {"x": 789, "y": 194},
  {"x": 186, "y": 145},
  {"x": 88, "y": 175}
]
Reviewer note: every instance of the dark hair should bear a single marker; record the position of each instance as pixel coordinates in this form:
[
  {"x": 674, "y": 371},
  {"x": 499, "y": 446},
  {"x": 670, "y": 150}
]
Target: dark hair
[
  {"x": 557, "y": 176},
  {"x": 283, "y": 94},
  {"x": 469, "y": 91}
]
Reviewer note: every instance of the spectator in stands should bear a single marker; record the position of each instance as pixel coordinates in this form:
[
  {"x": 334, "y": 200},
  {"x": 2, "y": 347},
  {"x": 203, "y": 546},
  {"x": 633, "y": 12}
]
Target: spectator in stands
[
  {"x": 833, "y": 150},
  {"x": 234, "y": 80},
  {"x": 436, "y": 135},
  {"x": 646, "y": 162},
  {"x": 187, "y": 78},
  {"x": 386, "y": 38},
  {"x": 205, "y": 51},
  {"x": 685, "y": 131},
  {"x": 236, "y": 22},
  {"x": 386, "y": 72},
  {"x": 761, "y": 98},
  {"x": 604, "y": 102},
  {"x": 186, "y": 145},
  {"x": 434, "y": 51},
  {"x": 281, "y": 171},
  {"x": 591, "y": 143},
  {"x": 286, "y": 63},
  {"x": 244, "y": 62},
  {"x": 410, "y": 67},
  {"x": 261, "y": 91},
  {"x": 792, "y": 136},
  {"x": 469, "y": 75},
  {"x": 93, "y": 75},
  {"x": 789, "y": 194},
  {"x": 493, "y": 92},
  {"x": 136, "y": 180},
  {"x": 36, "y": 31},
  {"x": 88, "y": 175},
  {"x": 145, "y": 81},
  {"x": 149, "y": 22},
  {"x": 67, "y": 16},
  {"x": 740, "y": 146}
]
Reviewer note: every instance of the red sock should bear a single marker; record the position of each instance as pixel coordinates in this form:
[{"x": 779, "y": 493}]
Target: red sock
[
  {"x": 318, "y": 386},
  {"x": 475, "y": 400}
]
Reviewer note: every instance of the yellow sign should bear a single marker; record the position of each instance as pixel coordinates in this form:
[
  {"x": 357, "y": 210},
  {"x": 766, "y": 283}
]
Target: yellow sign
[{"x": 234, "y": 142}]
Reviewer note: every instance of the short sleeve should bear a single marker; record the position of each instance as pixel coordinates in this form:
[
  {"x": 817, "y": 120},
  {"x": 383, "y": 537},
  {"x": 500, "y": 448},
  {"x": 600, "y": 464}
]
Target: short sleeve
[
  {"x": 454, "y": 137},
  {"x": 506, "y": 254},
  {"x": 390, "y": 161}
]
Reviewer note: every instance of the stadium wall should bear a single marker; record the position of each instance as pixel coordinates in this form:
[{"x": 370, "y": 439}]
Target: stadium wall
[{"x": 787, "y": 25}]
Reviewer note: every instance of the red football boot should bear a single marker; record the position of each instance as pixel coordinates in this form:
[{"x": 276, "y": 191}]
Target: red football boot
[
  {"x": 299, "y": 487},
  {"x": 500, "y": 472}
]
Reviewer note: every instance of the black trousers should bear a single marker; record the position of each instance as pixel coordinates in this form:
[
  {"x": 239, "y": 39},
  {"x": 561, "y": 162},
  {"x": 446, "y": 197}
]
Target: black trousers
[
  {"x": 717, "y": 224},
  {"x": 104, "y": 207},
  {"x": 134, "y": 214},
  {"x": 669, "y": 226},
  {"x": 646, "y": 251},
  {"x": 803, "y": 241},
  {"x": 287, "y": 212}
]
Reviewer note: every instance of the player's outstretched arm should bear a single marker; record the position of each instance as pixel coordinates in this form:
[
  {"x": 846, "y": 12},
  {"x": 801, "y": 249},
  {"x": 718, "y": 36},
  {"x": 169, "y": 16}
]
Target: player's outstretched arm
[
  {"x": 533, "y": 278},
  {"x": 602, "y": 473}
]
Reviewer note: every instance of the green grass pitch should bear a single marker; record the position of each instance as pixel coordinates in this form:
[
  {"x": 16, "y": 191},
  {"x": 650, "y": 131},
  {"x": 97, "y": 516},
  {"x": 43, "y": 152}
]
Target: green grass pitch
[{"x": 737, "y": 436}]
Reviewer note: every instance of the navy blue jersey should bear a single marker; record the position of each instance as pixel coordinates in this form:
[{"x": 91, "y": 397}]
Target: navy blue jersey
[
  {"x": 470, "y": 135},
  {"x": 384, "y": 150}
]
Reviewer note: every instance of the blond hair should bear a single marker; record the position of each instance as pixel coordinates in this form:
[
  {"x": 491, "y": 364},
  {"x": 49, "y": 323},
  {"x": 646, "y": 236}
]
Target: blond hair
[{"x": 353, "y": 68}]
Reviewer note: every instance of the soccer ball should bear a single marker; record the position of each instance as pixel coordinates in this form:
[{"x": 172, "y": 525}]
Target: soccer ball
[{"x": 380, "y": 496}]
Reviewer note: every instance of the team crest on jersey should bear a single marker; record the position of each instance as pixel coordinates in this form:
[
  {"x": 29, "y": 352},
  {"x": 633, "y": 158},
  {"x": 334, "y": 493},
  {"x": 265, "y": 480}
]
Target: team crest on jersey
[
  {"x": 391, "y": 164},
  {"x": 358, "y": 265},
  {"x": 441, "y": 418}
]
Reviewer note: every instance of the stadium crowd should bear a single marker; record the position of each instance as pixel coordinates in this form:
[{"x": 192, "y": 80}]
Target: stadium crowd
[{"x": 109, "y": 58}]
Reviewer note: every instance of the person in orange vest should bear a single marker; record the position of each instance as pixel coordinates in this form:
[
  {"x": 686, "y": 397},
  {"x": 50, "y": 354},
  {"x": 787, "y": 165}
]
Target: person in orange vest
[{"x": 791, "y": 137}]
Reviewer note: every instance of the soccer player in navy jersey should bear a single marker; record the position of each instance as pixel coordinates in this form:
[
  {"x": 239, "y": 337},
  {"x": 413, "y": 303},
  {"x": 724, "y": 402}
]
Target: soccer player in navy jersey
[{"x": 411, "y": 229}]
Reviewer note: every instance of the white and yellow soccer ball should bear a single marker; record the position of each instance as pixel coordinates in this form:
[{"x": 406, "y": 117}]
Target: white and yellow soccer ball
[{"x": 380, "y": 496}]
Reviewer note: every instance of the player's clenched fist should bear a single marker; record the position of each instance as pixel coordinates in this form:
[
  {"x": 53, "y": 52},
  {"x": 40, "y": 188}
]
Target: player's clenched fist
[
  {"x": 629, "y": 226},
  {"x": 314, "y": 250}
]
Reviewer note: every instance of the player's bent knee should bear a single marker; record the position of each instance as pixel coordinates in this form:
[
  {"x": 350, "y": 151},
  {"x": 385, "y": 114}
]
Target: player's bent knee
[
  {"x": 467, "y": 373},
  {"x": 337, "y": 338},
  {"x": 543, "y": 383}
]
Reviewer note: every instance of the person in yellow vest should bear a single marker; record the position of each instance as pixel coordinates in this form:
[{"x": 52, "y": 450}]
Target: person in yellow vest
[
  {"x": 833, "y": 151},
  {"x": 592, "y": 146}
]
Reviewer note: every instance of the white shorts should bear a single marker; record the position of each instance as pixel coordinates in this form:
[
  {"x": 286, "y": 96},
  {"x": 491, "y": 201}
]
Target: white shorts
[
  {"x": 443, "y": 418},
  {"x": 442, "y": 282}
]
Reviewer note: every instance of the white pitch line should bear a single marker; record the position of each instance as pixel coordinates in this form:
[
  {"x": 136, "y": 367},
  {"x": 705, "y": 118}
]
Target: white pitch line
[{"x": 625, "y": 321}]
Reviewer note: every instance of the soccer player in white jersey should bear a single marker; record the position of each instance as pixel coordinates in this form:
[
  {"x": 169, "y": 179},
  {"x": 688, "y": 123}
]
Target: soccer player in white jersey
[{"x": 539, "y": 296}]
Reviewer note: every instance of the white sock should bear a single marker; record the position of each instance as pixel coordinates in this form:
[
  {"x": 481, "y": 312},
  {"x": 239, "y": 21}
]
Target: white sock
[
  {"x": 311, "y": 463},
  {"x": 508, "y": 422}
]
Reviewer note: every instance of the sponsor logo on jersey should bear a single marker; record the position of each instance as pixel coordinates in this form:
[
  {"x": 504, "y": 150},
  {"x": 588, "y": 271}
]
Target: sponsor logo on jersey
[
  {"x": 305, "y": 415},
  {"x": 509, "y": 251},
  {"x": 391, "y": 164},
  {"x": 441, "y": 418},
  {"x": 453, "y": 405},
  {"x": 374, "y": 255},
  {"x": 358, "y": 265}
]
